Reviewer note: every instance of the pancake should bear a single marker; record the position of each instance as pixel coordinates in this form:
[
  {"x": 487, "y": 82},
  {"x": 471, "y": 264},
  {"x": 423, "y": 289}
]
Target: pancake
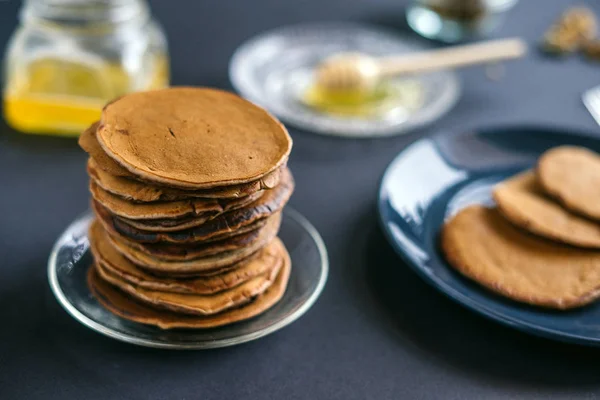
[
  {"x": 172, "y": 215},
  {"x": 107, "y": 219},
  {"x": 166, "y": 225},
  {"x": 193, "y": 220},
  {"x": 199, "y": 208},
  {"x": 89, "y": 143},
  {"x": 522, "y": 202},
  {"x": 571, "y": 175},
  {"x": 193, "y": 137},
  {"x": 271, "y": 202},
  {"x": 194, "y": 304},
  {"x": 134, "y": 190},
  {"x": 205, "y": 265},
  {"x": 113, "y": 262},
  {"x": 481, "y": 244},
  {"x": 176, "y": 252},
  {"x": 179, "y": 252},
  {"x": 124, "y": 306}
]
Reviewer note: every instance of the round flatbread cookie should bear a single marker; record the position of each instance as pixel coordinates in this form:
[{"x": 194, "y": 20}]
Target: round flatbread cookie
[
  {"x": 571, "y": 175},
  {"x": 482, "y": 245}
]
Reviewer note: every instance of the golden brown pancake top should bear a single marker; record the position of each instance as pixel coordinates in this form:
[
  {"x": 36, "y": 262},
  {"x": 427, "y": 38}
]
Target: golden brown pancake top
[{"x": 193, "y": 137}]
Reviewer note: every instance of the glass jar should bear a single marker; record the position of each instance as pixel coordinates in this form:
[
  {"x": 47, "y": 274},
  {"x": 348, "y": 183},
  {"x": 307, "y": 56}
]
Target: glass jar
[
  {"x": 455, "y": 20},
  {"x": 70, "y": 57}
]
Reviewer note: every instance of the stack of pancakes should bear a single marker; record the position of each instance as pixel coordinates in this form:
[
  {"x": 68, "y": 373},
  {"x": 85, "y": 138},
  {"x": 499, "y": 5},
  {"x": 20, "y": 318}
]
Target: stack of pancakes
[
  {"x": 187, "y": 185},
  {"x": 540, "y": 244}
]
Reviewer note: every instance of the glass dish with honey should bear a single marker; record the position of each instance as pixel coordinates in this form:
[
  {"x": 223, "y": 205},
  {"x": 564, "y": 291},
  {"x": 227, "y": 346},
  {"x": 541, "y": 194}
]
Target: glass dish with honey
[
  {"x": 277, "y": 70},
  {"x": 70, "y": 57}
]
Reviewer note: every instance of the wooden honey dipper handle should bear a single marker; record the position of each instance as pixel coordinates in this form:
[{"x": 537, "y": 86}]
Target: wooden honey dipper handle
[{"x": 453, "y": 57}]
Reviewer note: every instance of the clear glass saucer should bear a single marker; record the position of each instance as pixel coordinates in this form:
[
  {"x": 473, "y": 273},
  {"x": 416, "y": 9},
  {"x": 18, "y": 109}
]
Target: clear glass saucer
[
  {"x": 71, "y": 258},
  {"x": 275, "y": 69}
]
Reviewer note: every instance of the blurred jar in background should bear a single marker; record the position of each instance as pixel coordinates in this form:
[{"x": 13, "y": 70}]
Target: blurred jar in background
[
  {"x": 456, "y": 20},
  {"x": 69, "y": 57}
]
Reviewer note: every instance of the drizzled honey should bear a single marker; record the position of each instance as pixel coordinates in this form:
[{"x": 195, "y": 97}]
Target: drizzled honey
[{"x": 386, "y": 97}]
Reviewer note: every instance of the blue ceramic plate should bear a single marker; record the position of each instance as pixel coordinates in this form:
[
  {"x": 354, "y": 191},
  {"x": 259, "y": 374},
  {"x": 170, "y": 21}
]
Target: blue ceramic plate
[{"x": 434, "y": 178}]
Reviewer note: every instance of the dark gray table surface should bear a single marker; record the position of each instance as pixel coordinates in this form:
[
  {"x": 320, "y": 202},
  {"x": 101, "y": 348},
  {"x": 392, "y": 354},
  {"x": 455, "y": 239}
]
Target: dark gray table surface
[{"x": 377, "y": 332}]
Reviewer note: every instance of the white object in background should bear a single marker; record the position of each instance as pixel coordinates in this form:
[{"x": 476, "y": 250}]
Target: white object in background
[{"x": 591, "y": 99}]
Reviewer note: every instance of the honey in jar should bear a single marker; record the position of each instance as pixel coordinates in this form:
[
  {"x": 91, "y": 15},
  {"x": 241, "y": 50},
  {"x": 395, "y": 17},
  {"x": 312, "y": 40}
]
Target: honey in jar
[{"x": 69, "y": 57}]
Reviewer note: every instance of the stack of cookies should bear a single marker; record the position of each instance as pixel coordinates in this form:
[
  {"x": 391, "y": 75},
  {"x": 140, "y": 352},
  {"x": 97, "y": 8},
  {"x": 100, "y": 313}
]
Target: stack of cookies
[
  {"x": 187, "y": 185},
  {"x": 540, "y": 244}
]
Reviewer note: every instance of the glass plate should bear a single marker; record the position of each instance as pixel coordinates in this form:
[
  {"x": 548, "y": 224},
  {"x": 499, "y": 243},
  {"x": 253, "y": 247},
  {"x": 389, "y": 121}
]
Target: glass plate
[
  {"x": 71, "y": 258},
  {"x": 275, "y": 68}
]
